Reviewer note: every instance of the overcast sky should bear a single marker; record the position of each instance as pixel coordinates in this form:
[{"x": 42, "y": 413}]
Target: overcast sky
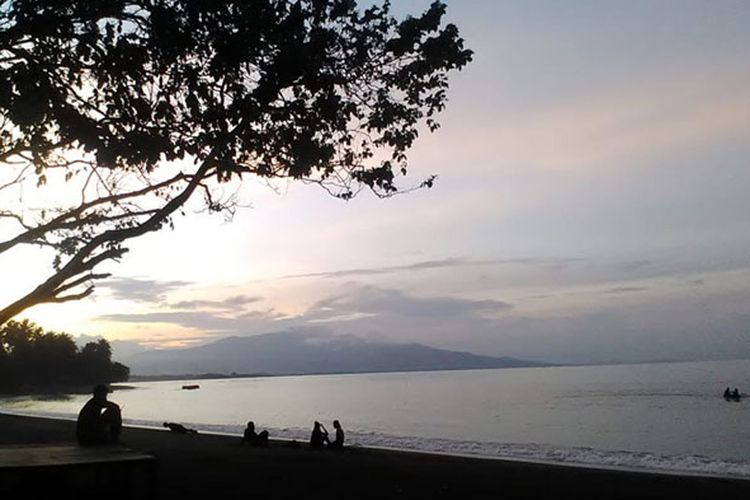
[{"x": 592, "y": 206}]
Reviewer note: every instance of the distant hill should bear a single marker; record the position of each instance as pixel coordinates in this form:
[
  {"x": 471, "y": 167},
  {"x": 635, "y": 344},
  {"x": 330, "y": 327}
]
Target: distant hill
[{"x": 298, "y": 353}]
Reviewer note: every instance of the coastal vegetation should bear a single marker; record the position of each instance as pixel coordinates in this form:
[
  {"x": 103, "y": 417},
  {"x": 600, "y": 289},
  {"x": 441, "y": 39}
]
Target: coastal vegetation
[{"x": 35, "y": 360}]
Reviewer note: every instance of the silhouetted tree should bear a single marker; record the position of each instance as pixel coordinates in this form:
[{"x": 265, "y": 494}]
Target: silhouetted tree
[
  {"x": 137, "y": 105},
  {"x": 118, "y": 372},
  {"x": 95, "y": 360},
  {"x": 31, "y": 357}
]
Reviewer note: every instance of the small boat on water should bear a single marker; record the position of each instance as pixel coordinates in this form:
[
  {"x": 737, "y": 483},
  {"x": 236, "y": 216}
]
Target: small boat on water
[
  {"x": 734, "y": 395},
  {"x": 190, "y": 387}
]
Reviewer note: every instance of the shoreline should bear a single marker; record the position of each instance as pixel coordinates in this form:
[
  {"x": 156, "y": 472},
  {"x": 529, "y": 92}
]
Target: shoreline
[
  {"x": 531, "y": 461},
  {"x": 190, "y": 464}
]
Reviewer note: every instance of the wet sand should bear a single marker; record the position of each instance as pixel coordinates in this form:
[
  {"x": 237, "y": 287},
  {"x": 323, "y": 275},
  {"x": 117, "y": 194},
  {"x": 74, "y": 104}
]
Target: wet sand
[{"x": 193, "y": 466}]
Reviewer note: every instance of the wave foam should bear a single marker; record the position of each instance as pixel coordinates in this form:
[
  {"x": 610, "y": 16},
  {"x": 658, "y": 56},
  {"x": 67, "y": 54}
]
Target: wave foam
[{"x": 581, "y": 456}]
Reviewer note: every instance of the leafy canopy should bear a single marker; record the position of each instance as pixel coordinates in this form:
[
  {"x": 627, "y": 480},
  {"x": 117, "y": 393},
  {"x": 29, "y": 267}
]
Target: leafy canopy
[{"x": 139, "y": 105}]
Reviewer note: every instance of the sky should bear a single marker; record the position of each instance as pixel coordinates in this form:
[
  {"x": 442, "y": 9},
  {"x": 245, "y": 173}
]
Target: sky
[{"x": 591, "y": 207}]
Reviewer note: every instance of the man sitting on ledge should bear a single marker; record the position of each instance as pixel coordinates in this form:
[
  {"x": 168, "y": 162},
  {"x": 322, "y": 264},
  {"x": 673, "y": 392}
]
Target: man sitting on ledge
[{"x": 99, "y": 421}]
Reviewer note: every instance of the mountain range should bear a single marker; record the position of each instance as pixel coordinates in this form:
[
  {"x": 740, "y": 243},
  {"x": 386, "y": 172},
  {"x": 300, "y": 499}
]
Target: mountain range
[{"x": 289, "y": 353}]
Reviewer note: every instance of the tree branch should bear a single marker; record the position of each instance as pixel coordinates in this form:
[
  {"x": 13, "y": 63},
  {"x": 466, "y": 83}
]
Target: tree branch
[
  {"x": 68, "y": 298},
  {"x": 89, "y": 277},
  {"x": 64, "y": 221},
  {"x": 80, "y": 263}
]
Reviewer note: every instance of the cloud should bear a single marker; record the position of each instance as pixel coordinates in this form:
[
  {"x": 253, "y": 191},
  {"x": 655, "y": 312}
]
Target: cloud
[
  {"x": 451, "y": 262},
  {"x": 203, "y": 325},
  {"x": 210, "y": 324},
  {"x": 357, "y": 305},
  {"x": 269, "y": 314},
  {"x": 372, "y": 301},
  {"x": 140, "y": 290},
  {"x": 625, "y": 289},
  {"x": 178, "y": 318},
  {"x": 123, "y": 350},
  {"x": 230, "y": 303},
  {"x": 430, "y": 264}
]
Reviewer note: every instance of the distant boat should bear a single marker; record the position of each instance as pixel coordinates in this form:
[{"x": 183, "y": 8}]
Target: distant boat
[
  {"x": 732, "y": 396},
  {"x": 191, "y": 387}
]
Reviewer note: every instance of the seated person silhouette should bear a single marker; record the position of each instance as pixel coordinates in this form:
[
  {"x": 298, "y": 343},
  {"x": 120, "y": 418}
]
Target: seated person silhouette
[
  {"x": 736, "y": 393},
  {"x": 99, "y": 421},
  {"x": 254, "y": 438},
  {"x": 727, "y": 393},
  {"x": 338, "y": 441},
  {"x": 179, "y": 428},
  {"x": 319, "y": 436}
]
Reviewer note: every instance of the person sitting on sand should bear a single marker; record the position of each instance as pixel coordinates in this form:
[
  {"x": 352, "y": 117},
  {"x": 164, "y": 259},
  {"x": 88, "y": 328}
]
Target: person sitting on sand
[
  {"x": 319, "y": 436},
  {"x": 179, "y": 428},
  {"x": 736, "y": 393},
  {"x": 338, "y": 441},
  {"x": 727, "y": 393},
  {"x": 252, "y": 438},
  {"x": 99, "y": 421}
]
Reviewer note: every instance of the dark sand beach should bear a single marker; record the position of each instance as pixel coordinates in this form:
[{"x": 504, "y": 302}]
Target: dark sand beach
[{"x": 194, "y": 466}]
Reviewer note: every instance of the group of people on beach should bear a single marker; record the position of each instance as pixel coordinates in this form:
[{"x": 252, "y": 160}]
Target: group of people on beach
[
  {"x": 100, "y": 422},
  {"x": 319, "y": 438},
  {"x": 254, "y": 438}
]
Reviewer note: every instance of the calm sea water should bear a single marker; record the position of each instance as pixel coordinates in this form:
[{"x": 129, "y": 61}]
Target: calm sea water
[{"x": 655, "y": 416}]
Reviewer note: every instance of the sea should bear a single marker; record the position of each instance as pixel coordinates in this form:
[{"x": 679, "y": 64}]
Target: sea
[{"x": 668, "y": 417}]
